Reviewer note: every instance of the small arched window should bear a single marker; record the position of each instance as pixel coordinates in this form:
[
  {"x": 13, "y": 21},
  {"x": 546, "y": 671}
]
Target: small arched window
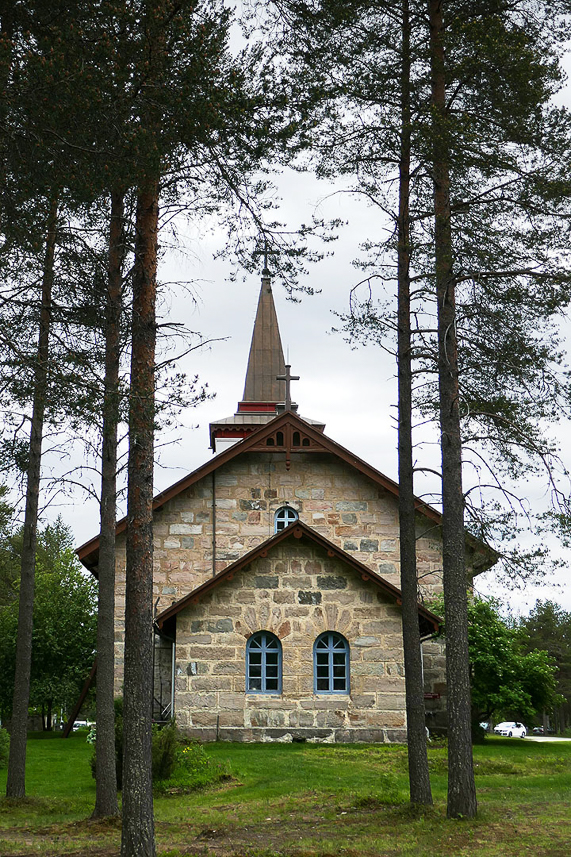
[
  {"x": 331, "y": 663},
  {"x": 284, "y": 516},
  {"x": 263, "y": 663}
]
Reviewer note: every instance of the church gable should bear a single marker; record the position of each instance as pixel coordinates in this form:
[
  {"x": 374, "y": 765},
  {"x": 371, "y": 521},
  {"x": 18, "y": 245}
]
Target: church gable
[
  {"x": 219, "y": 518},
  {"x": 294, "y": 599}
]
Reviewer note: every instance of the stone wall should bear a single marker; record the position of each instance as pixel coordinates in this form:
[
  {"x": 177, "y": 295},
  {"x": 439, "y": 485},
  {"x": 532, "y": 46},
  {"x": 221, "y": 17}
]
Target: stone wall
[
  {"x": 297, "y": 593},
  {"x": 331, "y": 496}
]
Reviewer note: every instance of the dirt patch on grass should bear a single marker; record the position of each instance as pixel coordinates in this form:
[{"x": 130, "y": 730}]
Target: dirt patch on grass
[{"x": 317, "y": 829}]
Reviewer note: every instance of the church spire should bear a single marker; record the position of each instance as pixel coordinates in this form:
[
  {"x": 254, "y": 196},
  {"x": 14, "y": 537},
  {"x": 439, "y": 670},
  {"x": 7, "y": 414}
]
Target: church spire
[
  {"x": 266, "y": 359},
  {"x": 264, "y": 395}
]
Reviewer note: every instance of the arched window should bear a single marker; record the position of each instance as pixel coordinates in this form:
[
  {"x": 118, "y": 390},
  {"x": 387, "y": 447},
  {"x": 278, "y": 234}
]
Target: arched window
[
  {"x": 284, "y": 517},
  {"x": 331, "y": 663},
  {"x": 263, "y": 663}
]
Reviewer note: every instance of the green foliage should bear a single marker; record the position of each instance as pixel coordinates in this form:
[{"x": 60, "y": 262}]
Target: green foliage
[
  {"x": 63, "y": 644},
  {"x": 548, "y": 627},
  {"x": 194, "y": 769},
  {"x": 9, "y": 564},
  {"x": 177, "y": 766},
  {"x": 164, "y": 751},
  {"x": 4, "y": 747},
  {"x": 508, "y": 678}
]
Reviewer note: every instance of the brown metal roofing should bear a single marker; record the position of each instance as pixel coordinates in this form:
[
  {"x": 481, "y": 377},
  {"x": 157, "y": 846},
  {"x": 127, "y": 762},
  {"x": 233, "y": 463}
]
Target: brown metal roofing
[
  {"x": 429, "y": 622},
  {"x": 266, "y": 359}
]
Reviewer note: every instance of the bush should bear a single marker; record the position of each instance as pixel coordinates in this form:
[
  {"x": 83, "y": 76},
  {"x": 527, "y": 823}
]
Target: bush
[
  {"x": 180, "y": 767},
  {"x": 194, "y": 770},
  {"x": 165, "y": 751},
  {"x": 4, "y": 747}
]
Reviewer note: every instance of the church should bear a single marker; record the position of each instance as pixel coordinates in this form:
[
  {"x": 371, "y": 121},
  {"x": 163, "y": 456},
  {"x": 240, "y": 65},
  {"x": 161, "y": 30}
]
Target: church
[{"x": 276, "y": 574}]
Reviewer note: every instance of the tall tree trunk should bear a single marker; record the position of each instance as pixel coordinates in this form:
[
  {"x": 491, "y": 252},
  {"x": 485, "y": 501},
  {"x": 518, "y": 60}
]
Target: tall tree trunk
[
  {"x": 461, "y": 785},
  {"x": 138, "y": 839},
  {"x": 16, "y": 783},
  {"x": 418, "y": 774},
  {"x": 106, "y": 782}
]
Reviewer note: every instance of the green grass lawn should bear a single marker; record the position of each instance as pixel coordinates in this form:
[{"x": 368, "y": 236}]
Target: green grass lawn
[{"x": 304, "y": 800}]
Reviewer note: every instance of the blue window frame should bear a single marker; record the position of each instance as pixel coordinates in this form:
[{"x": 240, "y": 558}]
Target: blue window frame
[
  {"x": 284, "y": 516},
  {"x": 263, "y": 663},
  {"x": 331, "y": 663}
]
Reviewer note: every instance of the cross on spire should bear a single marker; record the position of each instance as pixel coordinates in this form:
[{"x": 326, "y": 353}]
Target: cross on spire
[
  {"x": 266, "y": 253},
  {"x": 288, "y": 378}
]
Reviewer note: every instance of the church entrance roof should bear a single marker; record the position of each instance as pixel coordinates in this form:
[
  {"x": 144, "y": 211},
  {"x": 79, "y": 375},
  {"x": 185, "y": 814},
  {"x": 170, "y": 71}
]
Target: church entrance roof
[{"x": 428, "y": 622}]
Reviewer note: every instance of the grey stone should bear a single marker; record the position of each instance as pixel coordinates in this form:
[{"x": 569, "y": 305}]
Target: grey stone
[
  {"x": 350, "y": 546},
  {"x": 309, "y": 597},
  {"x": 266, "y": 582},
  {"x": 351, "y": 506},
  {"x": 331, "y": 582},
  {"x": 369, "y": 545},
  {"x": 196, "y": 625},
  {"x": 187, "y": 542},
  {"x": 350, "y": 518},
  {"x": 220, "y": 626},
  {"x": 365, "y": 641},
  {"x": 387, "y": 568}
]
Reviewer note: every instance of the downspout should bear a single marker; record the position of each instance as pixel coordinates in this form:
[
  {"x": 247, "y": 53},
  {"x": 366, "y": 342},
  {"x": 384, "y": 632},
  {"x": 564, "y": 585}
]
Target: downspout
[
  {"x": 173, "y": 664},
  {"x": 160, "y": 633},
  {"x": 213, "y": 523}
]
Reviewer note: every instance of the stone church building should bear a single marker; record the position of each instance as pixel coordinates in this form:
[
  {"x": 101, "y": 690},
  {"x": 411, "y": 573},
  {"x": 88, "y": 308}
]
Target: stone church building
[{"x": 276, "y": 574}]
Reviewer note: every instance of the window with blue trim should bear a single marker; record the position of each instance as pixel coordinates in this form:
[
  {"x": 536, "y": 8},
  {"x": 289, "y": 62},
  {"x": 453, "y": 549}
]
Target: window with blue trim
[
  {"x": 263, "y": 663},
  {"x": 284, "y": 517},
  {"x": 331, "y": 663}
]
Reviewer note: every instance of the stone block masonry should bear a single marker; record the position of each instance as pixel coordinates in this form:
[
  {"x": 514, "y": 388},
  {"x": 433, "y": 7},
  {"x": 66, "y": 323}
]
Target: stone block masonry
[
  {"x": 238, "y": 502},
  {"x": 373, "y": 710}
]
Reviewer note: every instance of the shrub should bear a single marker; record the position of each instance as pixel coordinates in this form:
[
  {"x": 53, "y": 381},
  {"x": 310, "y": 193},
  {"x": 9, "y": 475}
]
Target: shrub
[
  {"x": 4, "y": 747},
  {"x": 194, "y": 770},
  {"x": 165, "y": 751},
  {"x": 182, "y": 768}
]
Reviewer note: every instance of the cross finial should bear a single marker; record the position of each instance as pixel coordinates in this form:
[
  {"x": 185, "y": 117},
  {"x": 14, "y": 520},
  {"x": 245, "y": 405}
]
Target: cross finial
[
  {"x": 265, "y": 253},
  {"x": 288, "y": 378}
]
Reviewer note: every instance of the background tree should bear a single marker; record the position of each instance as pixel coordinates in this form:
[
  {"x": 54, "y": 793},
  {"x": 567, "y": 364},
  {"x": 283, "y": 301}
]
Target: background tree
[
  {"x": 548, "y": 627},
  {"x": 63, "y": 641},
  {"x": 509, "y": 677}
]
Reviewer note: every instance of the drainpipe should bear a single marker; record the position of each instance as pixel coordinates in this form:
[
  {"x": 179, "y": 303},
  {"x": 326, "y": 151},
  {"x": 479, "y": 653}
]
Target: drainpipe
[{"x": 213, "y": 523}]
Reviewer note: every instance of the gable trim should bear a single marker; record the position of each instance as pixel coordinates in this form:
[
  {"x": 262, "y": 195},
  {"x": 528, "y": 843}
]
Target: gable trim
[{"x": 287, "y": 423}]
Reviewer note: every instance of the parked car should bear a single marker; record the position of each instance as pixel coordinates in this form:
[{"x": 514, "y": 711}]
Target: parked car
[
  {"x": 511, "y": 729},
  {"x": 538, "y": 730}
]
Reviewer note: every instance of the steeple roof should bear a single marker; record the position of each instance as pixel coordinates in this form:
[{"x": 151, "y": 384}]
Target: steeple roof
[
  {"x": 264, "y": 396},
  {"x": 266, "y": 359}
]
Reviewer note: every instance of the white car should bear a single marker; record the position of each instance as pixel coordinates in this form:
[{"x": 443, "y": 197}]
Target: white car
[{"x": 511, "y": 729}]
